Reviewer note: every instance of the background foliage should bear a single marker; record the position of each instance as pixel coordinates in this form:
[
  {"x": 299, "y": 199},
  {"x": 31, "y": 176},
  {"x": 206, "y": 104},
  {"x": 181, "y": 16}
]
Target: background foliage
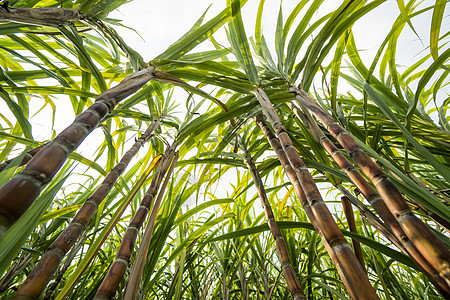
[{"x": 210, "y": 239}]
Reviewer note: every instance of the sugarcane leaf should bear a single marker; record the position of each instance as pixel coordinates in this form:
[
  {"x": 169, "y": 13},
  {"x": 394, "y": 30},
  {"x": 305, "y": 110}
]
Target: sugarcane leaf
[
  {"x": 192, "y": 39},
  {"x": 8, "y": 171},
  {"x": 240, "y": 41},
  {"x": 430, "y": 72},
  {"x": 379, "y": 100},
  {"x": 59, "y": 213},
  {"x": 18, "y": 112}
]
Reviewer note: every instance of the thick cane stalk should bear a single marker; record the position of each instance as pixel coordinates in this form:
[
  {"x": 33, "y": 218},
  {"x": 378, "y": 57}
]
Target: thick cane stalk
[
  {"x": 348, "y": 168},
  {"x": 286, "y": 266},
  {"x": 38, "y": 279},
  {"x": 27, "y": 157},
  {"x": 137, "y": 270},
  {"x": 351, "y": 272},
  {"x": 21, "y": 191},
  {"x": 110, "y": 283},
  {"x": 378, "y": 204},
  {"x": 48, "y": 16},
  {"x": 431, "y": 248}
]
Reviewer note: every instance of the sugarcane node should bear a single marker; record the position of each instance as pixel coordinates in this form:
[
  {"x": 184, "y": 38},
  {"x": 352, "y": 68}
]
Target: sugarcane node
[
  {"x": 47, "y": 162},
  {"x": 120, "y": 167},
  {"x": 72, "y": 136},
  {"x": 89, "y": 119},
  {"x": 16, "y": 195},
  {"x": 101, "y": 108}
]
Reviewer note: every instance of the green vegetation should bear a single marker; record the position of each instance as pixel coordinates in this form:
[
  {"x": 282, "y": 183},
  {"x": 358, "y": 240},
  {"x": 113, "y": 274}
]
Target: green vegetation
[{"x": 235, "y": 172}]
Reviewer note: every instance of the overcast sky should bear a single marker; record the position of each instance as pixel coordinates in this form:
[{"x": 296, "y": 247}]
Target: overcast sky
[{"x": 160, "y": 23}]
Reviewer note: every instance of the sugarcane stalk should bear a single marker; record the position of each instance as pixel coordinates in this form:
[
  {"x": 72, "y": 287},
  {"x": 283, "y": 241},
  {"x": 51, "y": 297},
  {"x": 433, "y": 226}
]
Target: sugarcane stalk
[
  {"x": 137, "y": 270},
  {"x": 106, "y": 231},
  {"x": 348, "y": 211},
  {"x": 351, "y": 272},
  {"x": 365, "y": 188},
  {"x": 47, "y": 16},
  {"x": 378, "y": 204},
  {"x": 286, "y": 266},
  {"x": 276, "y": 146},
  {"x": 21, "y": 191},
  {"x": 27, "y": 157},
  {"x": 116, "y": 271},
  {"x": 424, "y": 240},
  {"x": 73, "y": 251},
  {"x": 41, "y": 275},
  {"x": 375, "y": 200}
]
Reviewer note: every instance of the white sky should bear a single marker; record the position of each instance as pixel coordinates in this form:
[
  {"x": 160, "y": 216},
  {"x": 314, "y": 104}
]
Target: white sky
[{"x": 160, "y": 23}]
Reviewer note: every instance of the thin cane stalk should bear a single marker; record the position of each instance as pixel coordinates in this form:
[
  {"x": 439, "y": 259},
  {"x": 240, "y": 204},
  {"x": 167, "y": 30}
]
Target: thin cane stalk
[
  {"x": 431, "y": 248},
  {"x": 348, "y": 211},
  {"x": 28, "y": 156},
  {"x": 65, "y": 266},
  {"x": 38, "y": 279},
  {"x": 137, "y": 270},
  {"x": 351, "y": 272},
  {"x": 376, "y": 202},
  {"x": 286, "y": 266},
  {"x": 106, "y": 231},
  {"x": 21, "y": 191},
  {"x": 110, "y": 283},
  {"x": 48, "y": 16}
]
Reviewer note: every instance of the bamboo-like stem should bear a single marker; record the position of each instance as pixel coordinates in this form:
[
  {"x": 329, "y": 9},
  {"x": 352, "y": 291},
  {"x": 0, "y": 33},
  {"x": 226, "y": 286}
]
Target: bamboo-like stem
[
  {"x": 65, "y": 266},
  {"x": 351, "y": 272},
  {"x": 276, "y": 146},
  {"x": 48, "y": 16},
  {"x": 363, "y": 186},
  {"x": 137, "y": 270},
  {"x": 83, "y": 266},
  {"x": 286, "y": 266},
  {"x": 38, "y": 279},
  {"x": 27, "y": 157},
  {"x": 21, "y": 191},
  {"x": 376, "y": 202},
  {"x": 348, "y": 211},
  {"x": 431, "y": 248},
  {"x": 110, "y": 283},
  {"x": 366, "y": 189}
]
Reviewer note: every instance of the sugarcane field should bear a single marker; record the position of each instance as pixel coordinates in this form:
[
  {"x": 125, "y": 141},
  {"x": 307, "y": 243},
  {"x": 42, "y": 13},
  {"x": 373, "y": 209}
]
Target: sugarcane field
[{"x": 232, "y": 149}]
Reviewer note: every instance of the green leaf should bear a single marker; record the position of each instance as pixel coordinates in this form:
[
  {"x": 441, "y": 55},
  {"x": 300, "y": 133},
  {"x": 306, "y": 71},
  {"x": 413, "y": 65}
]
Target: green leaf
[{"x": 438, "y": 13}]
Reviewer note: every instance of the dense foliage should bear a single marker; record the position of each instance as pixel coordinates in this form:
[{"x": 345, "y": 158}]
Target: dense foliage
[{"x": 210, "y": 238}]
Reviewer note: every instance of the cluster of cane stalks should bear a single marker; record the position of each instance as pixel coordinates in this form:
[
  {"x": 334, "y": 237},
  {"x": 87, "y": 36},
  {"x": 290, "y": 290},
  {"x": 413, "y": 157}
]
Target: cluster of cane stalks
[
  {"x": 418, "y": 240},
  {"x": 42, "y": 273},
  {"x": 350, "y": 270}
]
